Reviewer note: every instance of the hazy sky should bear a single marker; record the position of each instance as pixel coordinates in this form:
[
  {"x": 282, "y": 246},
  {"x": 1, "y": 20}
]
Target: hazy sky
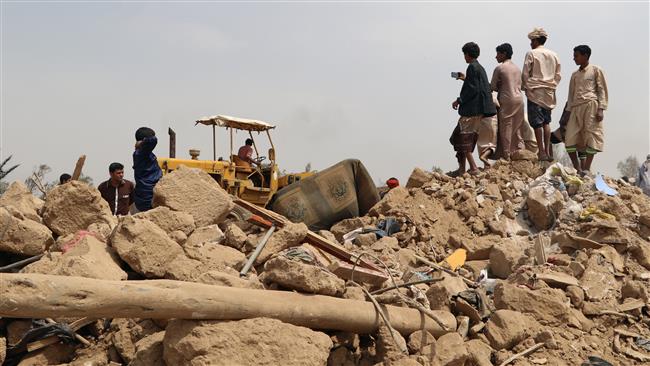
[{"x": 340, "y": 80}]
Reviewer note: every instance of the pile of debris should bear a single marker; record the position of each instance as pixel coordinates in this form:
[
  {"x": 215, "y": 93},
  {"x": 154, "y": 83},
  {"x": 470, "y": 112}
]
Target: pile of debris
[{"x": 524, "y": 264}]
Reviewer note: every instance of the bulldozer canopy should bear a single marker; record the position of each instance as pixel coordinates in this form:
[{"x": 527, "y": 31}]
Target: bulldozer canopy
[{"x": 236, "y": 123}]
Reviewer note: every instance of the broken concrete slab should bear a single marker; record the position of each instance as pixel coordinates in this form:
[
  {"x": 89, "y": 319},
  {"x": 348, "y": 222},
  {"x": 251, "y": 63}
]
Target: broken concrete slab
[
  {"x": 290, "y": 235},
  {"x": 235, "y": 237},
  {"x": 144, "y": 246},
  {"x": 74, "y": 206},
  {"x": 548, "y": 306},
  {"x": 641, "y": 252},
  {"x": 391, "y": 200},
  {"x": 450, "y": 350},
  {"x": 345, "y": 226},
  {"x": 23, "y": 236},
  {"x": 439, "y": 293},
  {"x": 418, "y": 178},
  {"x": 557, "y": 279},
  {"x": 303, "y": 277},
  {"x": 477, "y": 248},
  {"x": 216, "y": 256},
  {"x": 149, "y": 350},
  {"x": 480, "y": 353},
  {"x": 598, "y": 280},
  {"x": 169, "y": 220},
  {"x": 506, "y": 328},
  {"x": 390, "y": 345},
  {"x": 544, "y": 206},
  {"x": 195, "y": 192},
  {"x": 507, "y": 255},
  {"x": 85, "y": 256},
  {"x": 206, "y": 234},
  {"x": 18, "y": 196},
  {"x": 259, "y": 341},
  {"x": 418, "y": 340}
]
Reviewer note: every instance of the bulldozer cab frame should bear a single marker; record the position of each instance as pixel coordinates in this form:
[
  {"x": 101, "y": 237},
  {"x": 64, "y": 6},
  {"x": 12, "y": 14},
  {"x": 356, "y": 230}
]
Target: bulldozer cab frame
[{"x": 255, "y": 184}]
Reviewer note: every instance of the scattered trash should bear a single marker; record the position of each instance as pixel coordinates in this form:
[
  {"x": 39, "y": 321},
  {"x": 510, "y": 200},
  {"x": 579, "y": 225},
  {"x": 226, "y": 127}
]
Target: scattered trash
[
  {"x": 587, "y": 213},
  {"x": 487, "y": 283},
  {"x": 596, "y": 361},
  {"x": 643, "y": 343},
  {"x": 602, "y": 186},
  {"x": 456, "y": 259}
]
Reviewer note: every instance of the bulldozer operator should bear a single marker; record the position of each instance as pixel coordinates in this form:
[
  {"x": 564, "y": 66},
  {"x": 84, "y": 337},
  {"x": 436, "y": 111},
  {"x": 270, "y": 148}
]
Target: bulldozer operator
[{"x": 245, "y": 155}]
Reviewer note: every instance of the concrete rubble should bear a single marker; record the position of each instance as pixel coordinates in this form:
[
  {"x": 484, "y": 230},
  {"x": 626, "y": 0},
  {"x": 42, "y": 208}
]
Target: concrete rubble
[{"x": 549, "y": 263}]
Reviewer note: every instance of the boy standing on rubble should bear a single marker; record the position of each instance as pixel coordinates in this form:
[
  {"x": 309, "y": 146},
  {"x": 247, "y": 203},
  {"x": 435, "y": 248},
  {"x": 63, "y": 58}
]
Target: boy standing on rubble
[
  {"x": 539, "y": 79},
  {"x": 145, "y": 168},
  {"x": 474, "y": 103},
  {"x": 587, "y": 103},
  {"x": 506, "y": 81}
]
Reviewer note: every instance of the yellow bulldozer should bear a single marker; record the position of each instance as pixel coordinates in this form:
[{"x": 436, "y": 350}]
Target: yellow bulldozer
[{"x": 254, "y": 183}]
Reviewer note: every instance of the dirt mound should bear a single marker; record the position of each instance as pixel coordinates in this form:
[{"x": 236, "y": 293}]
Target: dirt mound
[{"x": 525, "y": 254}]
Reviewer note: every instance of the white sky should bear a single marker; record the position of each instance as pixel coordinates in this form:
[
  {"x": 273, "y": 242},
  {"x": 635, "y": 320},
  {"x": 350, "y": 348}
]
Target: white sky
[{"x": 340, "y": 80}]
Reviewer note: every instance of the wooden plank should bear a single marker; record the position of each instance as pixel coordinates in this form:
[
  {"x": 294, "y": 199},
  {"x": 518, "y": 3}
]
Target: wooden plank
[
  {"x": 78, "y": 167},
  {"x": 557, "y": 279},
  {"x": 338, "y": 251},
  {"x": 75, "y": 326},
  {"x": 365, "y": 275},
  {"x": 312, "y": 238}
]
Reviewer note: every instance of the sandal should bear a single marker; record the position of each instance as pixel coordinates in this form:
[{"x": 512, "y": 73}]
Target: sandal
[{"x": 474, "y": 172}]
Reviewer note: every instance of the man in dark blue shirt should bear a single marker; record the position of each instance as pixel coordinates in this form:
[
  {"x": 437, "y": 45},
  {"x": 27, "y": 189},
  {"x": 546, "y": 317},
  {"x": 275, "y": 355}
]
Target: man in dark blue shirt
[
  {"x": 145, "y": 168},
  {"x": 474, "y": 103}
]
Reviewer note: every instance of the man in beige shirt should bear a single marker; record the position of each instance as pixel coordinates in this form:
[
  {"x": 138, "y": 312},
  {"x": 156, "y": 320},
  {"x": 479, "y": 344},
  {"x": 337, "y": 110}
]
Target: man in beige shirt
[
  {"x": 587, "y": 103},
  {"x": 539, "y": 79},
  {"x": 506, "y": 81}
]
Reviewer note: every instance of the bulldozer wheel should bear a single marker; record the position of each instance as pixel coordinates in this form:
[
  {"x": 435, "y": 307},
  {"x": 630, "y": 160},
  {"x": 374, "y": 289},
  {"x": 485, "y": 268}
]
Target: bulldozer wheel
[{"x": 240, "y": 213}]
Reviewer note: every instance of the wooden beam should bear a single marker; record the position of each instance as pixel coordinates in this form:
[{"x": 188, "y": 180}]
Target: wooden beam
[
  {"x": 77, "y": 169},
  {"x": 30, "y": 295},
  {"x": 314, "y": 239},
  {"x": 361, "y": 274},
  {"x": 172, "y": 142}
]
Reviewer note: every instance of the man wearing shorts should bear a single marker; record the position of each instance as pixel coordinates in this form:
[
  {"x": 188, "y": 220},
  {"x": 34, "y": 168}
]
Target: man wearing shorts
[
  {"x": 474, "y": 103},
  {"x": 587, "y": 103},
  {"x": 539, "y": 79}
]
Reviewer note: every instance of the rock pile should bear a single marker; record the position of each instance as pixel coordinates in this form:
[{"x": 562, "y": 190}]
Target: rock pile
[{"x": 553, "y": 269}]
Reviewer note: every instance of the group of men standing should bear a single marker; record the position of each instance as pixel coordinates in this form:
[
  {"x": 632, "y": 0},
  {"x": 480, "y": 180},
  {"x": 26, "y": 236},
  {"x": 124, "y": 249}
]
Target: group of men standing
[{"x": 582, "y": 131}]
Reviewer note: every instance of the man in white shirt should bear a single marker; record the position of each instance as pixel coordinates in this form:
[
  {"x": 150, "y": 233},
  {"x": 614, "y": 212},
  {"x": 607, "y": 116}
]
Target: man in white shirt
[{"x": 539, "y": 79}]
